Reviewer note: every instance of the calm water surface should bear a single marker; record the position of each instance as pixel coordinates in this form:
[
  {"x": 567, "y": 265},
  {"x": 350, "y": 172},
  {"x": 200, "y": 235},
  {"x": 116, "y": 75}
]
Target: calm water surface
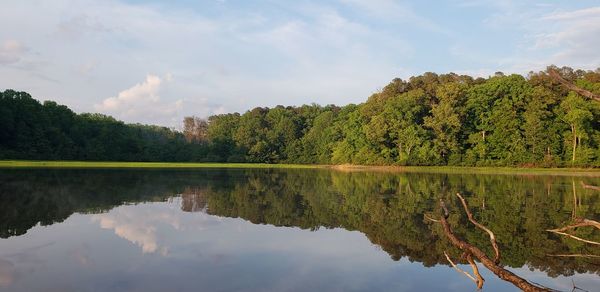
[{"x": 283, "y": 230}]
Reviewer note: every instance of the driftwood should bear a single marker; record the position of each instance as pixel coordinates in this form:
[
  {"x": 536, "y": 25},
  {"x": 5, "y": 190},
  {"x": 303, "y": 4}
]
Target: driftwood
[
  {"x": 473, "y": 251},
  {"x": 575, "y": 255},
  {"x": 578, "y": 223},
  {"x": 556, "y": 76},
  {"x": 477, "y": 279},
  {"x": 590, "y": 187},
  {"x": 480, "y": 226}
]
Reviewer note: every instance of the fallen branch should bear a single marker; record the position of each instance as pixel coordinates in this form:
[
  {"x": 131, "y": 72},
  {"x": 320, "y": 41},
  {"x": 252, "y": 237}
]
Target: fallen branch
[
  {"x": 575, "y": 237},
  {"x": 556, "y": 76},
  {"x": 483, "y": 258},
  {"x": 591, "y": 187},
  {"x": 480, "y": 279},
  {"x": 576, "y": 255},
  {"x": 579, "y": 223},
  {"x": 480, "y": 226},
  {"x": 431, "y": 219},
  {"x": 462, "y": 271}
]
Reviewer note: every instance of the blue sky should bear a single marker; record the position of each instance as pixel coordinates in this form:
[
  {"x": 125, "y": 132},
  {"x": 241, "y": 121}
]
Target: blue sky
[{"x": 157, "y": 61}]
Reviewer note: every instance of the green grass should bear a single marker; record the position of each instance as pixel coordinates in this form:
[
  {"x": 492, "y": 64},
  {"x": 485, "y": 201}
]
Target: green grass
[
  {"x": 478, "y": 170},
  {"x": 428, "y": 169},
  {"x": 102, "y": 164}
]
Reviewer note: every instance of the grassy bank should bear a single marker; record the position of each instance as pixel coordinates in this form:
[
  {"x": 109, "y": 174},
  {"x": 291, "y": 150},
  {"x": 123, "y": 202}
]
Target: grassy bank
[
  {"x": 474, "y": 170},
  {"x": 348, "y": 168},
  {"x": 102, "y": 164}
]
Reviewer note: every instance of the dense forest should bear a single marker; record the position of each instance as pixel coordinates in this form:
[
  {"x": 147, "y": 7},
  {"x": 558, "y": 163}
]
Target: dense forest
[{"x": 430, "y": 119}]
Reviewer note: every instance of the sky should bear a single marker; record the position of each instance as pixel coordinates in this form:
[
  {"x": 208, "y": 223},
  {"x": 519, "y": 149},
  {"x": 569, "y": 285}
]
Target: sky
[{"x": 155, "y": 62}]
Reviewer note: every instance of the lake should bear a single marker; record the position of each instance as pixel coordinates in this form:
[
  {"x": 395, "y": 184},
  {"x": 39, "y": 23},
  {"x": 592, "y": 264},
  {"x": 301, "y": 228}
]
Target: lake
[{"x": 285, "y": 230}]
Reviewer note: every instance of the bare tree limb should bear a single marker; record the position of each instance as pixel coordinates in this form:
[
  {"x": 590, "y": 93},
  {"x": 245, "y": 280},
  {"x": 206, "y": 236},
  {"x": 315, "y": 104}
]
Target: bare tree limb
[
  {"x": 575, "y": 237},
  {"x": 579, "y": 223},
  {"x": 480, "y": 226},
  {"x": 461, "y": 270},
  {"x": 480, "y": 279},
  {"x": 576, "y": 255},
  {"x": 431, "y": 219},
  {"x": 591, "y": 187},
  {"x": 556, "y": 76},
  {"x": 484, "y": 259}
]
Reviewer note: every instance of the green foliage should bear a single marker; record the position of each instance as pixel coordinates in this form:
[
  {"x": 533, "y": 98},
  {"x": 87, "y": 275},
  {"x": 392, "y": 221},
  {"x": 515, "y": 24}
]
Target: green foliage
[
  {"x": 31, "y": 130},
  {"x": 431, "y": 119}
]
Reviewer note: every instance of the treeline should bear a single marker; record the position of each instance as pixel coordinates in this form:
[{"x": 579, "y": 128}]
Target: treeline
[
  {"x": 431, "y": 119},
  {"x": 48, "y": 131}
]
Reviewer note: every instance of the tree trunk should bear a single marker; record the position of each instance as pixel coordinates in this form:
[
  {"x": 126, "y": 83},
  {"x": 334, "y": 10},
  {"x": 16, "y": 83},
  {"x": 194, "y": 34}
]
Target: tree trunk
[{"x": 574, "y": 141}]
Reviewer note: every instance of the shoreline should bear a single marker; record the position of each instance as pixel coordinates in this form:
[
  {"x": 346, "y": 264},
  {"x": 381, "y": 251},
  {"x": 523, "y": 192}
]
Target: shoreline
[
  {"x": 5, "y": 164},
  {"x": 502, "y": 170},
  {"x": 22, "y": 164}
]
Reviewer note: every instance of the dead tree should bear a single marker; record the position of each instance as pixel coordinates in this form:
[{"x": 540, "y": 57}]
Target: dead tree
[
  {"x": 579, "y": 222},
  {"x": 471, "y": 251},
  {"x": 590, "y": 187},
  {"x": 556, "y": 76}
]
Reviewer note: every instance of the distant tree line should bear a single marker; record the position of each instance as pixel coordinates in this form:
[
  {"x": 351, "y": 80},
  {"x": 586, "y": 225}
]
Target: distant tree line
[
  {"x": 430, "y": 119},
  {"x": 48, "y": 131}
]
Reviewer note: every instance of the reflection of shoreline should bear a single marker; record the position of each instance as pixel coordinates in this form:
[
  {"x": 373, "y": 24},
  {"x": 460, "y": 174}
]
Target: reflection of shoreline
[{"x": 387, "y": 207}]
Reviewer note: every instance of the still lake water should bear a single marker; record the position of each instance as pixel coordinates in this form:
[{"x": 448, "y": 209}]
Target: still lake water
[{"x": 283, "y": 230}]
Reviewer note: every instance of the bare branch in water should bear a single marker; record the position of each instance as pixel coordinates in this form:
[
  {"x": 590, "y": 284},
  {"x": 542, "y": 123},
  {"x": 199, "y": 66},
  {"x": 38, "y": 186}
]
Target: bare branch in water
[
  {"x": 590, "y": 187},
  {"x": 575, "y": 255},
  {"x": 483, "y": 258},
  {"x": 431, "y": 219},
  {"x": 461, "y": 270},
  {"x": 480, "y": 279},
  {"x": 480, "y": 226},
  {"x": 579, "y": 223}
]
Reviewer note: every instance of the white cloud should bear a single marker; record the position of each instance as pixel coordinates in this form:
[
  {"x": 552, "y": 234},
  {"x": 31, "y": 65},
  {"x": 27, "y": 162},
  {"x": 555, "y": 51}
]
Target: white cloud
[
  {"x": 140, "y": 101},
  {"x": 580, "y": 14},
  {"x": 225, "y": 56},
  {"x": 11, "y": 51},
  {"x": 545, "y": 35},
  {"x": 395, "y": 11},
  {"x": 574, "y": 35},
  {"x": 235, "y": 60},
  {"x": 141, "y": 92}
]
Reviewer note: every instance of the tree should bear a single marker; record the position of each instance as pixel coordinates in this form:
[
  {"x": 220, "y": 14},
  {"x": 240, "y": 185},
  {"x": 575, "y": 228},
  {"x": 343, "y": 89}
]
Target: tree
[
  {"x": 577, "y": 114},
  {"x": 195, "y": 129},
  {"x": 446, "y": 119}
]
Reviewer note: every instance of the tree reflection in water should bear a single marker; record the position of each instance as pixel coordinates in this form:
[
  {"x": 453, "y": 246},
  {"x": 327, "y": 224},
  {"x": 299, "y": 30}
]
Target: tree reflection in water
[{"x": 389, "y": 208}]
